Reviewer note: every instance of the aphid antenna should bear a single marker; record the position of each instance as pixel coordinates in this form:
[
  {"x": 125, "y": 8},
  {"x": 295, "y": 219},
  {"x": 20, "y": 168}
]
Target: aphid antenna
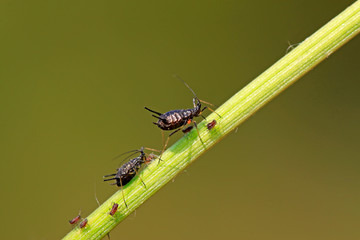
[
  {"x": 132, "y": 151},
  {"x": 195, "y": 96},
  {"x": 187, "y": 85},
  {"x": 79, "y": 213}
]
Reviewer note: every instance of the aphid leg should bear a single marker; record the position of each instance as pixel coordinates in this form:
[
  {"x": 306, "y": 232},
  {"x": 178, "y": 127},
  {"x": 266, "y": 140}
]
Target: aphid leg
[
  {"x": 137, "y": 173},
  {"x": 122, "y": 192},
  {"x": 167, "y": 141},
  {"x": 214, "y": 111},
  {"x": 202, "y": 111},
  {"x": 208, "y": 107},
  {"x": 151, "y": 149},
  {"x": 163, "y": 142},
  {"x": 197, "y": 129},
  {"x": 151, "y": 156},
  {"x": 208, "y": 103}
]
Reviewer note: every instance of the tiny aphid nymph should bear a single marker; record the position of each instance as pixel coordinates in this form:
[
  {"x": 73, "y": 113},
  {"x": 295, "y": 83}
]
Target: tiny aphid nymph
[
  {"x": 83, "y": 223},
  {"x": 211, "y": 124},
  {"x": 114, "y": 209}
]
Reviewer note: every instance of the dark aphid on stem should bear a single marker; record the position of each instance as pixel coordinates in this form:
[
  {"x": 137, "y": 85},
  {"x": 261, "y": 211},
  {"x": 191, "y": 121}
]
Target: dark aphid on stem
[
  {"x": 114, "y": 209},
  {"x": 178, "y": 119},
  {"x": 129, "y": 169},
  {"x": 211, "y": 124},
  {"x": 75, "y": 220},
  {"x": 83, "y": 223},
  {"x": 188, "y": 129}
]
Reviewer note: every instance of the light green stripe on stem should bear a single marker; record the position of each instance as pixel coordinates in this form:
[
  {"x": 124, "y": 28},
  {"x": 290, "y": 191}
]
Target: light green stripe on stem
[{"x": 237, "y": 109}]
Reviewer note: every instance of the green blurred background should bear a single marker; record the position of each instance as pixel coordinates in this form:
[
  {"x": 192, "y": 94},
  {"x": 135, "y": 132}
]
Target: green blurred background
[{"x": 75, "y": 76}]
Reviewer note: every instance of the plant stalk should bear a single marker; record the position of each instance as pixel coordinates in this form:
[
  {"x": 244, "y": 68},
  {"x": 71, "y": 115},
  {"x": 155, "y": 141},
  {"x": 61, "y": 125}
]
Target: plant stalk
[{"x": 237, "y": 109}]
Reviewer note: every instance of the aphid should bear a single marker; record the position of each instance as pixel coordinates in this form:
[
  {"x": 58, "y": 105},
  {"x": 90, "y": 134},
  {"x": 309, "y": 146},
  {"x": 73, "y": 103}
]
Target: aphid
[
  {"x": 211, "y": 124},
  {"x": 114, "y": 209},
  {"x": 177, "y": 119},
  {"x": 75, "y": 220},
  {"x": 83, "y": 223},
  {"x": 129, "y": 169}
]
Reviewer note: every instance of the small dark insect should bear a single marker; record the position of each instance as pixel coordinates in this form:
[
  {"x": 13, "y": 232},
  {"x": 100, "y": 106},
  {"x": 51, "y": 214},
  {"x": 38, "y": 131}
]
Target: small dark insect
[
  {"x": 83, "y": 223},
  {"x": 129, "y": 169},
  {"x": 177, "y": 119},
  {"x": 75, "y": 220},
  {"x": 188, "y": 129},
  {"x": 211, "y": 124},
  {"x": 114, "y": 209}
]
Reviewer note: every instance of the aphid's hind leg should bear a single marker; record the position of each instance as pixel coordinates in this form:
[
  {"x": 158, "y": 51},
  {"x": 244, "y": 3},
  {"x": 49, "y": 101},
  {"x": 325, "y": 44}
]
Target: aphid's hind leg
[
  {"x": 122, "y": 192},
  {"x": 197, "y": 129}
]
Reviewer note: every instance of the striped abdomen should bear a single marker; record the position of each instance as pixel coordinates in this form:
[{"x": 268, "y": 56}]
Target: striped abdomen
[{"x": 175, "y": 119}]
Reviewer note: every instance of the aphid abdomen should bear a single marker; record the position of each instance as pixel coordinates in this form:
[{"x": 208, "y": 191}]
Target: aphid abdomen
[
  {"x": 128, "y": 171},
  {"x": 175, "y": 119}
]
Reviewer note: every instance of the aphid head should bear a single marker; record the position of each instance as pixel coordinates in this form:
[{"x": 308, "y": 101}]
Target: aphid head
[{"x": 197, "y": 107}]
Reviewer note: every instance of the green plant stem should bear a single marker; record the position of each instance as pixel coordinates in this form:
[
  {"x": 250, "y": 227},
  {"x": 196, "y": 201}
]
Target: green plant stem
[{"x": 237, "y": 109}]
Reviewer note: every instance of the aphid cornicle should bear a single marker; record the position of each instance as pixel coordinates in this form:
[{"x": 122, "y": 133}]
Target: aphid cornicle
[
  {"x": 177, "y": 119},
  {"x": 129, "y": 169}
]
